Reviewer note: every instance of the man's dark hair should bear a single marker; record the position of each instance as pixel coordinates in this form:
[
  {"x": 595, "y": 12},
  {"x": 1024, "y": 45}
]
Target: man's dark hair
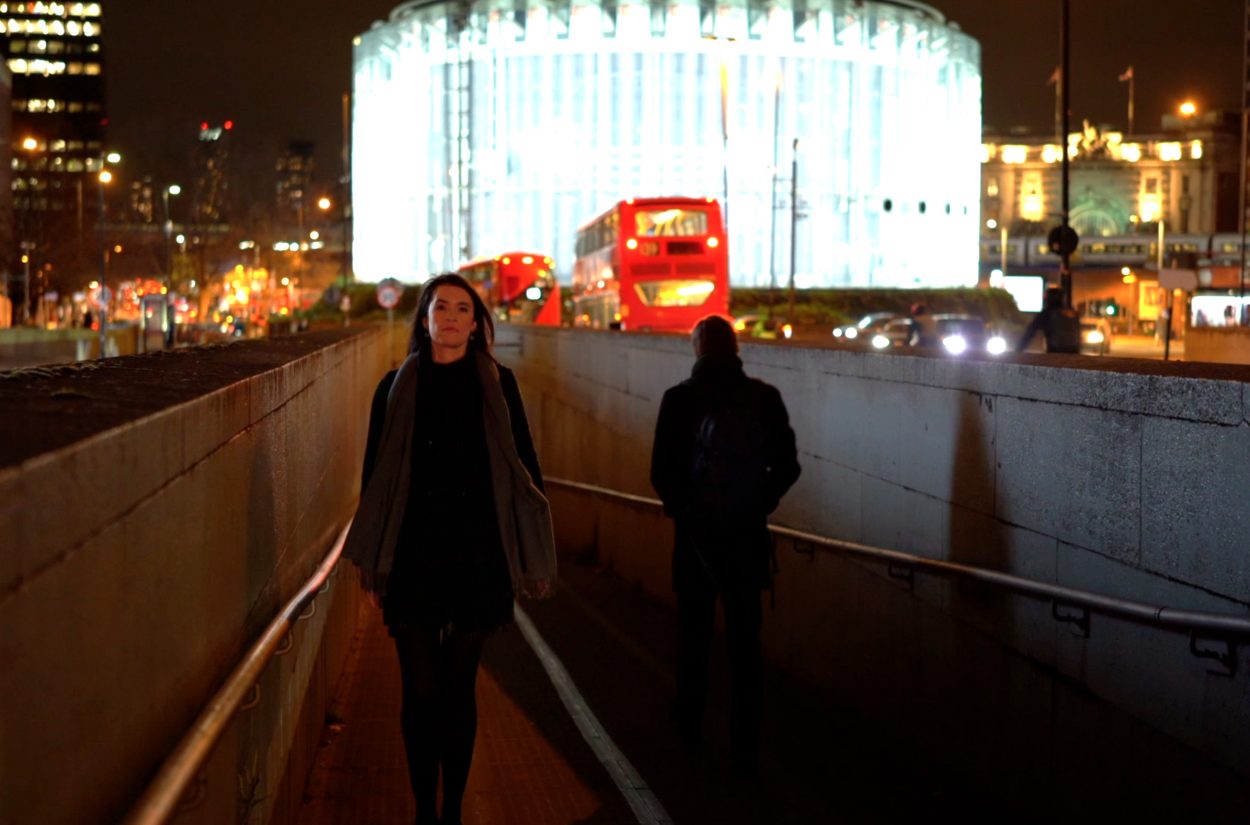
[
  {"x": 481, "y": 341},
  {"x": 714, "y": 336},
  {"x": 1054, "y": 297}
]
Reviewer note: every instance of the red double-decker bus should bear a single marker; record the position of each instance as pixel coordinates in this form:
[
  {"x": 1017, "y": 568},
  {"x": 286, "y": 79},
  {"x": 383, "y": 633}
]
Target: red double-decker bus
[
  {"x": 651, "y": 264},
  {"x": 517, "y": 286}
]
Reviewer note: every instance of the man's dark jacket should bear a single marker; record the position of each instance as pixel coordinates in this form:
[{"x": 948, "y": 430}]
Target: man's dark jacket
[{"x": 733, "y": 552}]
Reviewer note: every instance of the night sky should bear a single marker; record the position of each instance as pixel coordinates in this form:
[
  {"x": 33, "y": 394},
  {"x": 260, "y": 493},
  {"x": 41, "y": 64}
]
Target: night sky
[{"x": 278, "y": 68}]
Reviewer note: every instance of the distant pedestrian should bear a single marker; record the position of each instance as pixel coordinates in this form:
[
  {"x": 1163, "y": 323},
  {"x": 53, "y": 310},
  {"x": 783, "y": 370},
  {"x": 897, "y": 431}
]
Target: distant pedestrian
[
  {"x": 1060, "y": 325},
  {"x": 452, "y": 523},
  {"x": 88, "y": 320},
  {"x": 724, "y": 455},
  {"x": 923, "y": 327}
]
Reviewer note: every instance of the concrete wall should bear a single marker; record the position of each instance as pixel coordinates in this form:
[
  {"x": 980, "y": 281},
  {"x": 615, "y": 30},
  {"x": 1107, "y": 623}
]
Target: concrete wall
[
  {"x": 31, "y": 347},
  {"x": 1218, "y": 345},
  {"x": 156, "y": 513},
  {"x": 1119, "y": 477}
]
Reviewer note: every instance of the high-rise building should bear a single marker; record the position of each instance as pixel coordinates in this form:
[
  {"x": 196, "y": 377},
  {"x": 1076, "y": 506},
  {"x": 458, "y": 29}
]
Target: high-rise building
[
  {"x": 212, "y": 153},
  {"x": 294, "y": 168},
  {"x": 55, "y": 54}
]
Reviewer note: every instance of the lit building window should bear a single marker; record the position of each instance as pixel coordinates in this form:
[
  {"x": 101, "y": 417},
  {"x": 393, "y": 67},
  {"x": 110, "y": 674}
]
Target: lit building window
[
  {"x": 1195, "y": 149},
  {"x": 92, "y": 68},
  {"x": 1169, "y": 151},
  {"x": 991, "y": 188},
  {"x": 1014, "y": 154},
  {"x": 1032, "y": 206},
  {"x": 1130, "y": 152},
  {"x": 1052, "y": 153},
  {"x": 987, "y": 152}
]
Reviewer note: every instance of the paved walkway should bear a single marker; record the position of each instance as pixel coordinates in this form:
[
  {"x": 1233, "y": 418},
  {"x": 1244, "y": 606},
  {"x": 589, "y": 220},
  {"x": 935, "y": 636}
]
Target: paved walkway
[{"x": 533, "y": 766}]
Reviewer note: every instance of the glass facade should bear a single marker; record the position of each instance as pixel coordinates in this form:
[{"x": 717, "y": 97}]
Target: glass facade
[{"x": 504, "y": 124}]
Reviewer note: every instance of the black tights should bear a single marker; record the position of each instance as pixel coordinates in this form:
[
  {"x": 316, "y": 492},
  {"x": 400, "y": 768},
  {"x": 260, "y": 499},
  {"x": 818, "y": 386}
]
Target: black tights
[{"x": 439, "y": 716}]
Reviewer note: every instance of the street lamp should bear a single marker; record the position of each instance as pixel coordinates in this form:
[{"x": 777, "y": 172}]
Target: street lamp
[
  {"x": 103, "y": 179},
  {"x": 30, "y": 144},
  {"x": 175, "y": 190},
  {"x": 1188, "y": 109}
]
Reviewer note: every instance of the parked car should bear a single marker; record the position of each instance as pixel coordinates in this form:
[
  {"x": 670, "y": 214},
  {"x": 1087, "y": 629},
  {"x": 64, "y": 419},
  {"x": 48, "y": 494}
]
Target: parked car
[
  {"x": 1095, "y": 336},
  {"x": 865, "y": 328}
]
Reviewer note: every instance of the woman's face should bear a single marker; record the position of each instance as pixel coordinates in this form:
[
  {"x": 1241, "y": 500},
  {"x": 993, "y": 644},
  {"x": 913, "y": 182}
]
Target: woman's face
[{"x": 450, "y": 318}]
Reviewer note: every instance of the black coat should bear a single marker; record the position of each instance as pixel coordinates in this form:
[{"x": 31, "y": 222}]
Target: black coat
[
  {"x": 450, "y": 564},
  {"x": 735, "y": 552}
]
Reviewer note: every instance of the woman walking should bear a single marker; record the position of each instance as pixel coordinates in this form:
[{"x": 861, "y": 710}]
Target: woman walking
[{"x": 452, "y": 524}]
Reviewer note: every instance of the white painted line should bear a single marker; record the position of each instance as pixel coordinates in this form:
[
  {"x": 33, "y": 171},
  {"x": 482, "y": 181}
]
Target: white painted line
[{"x": 645, "y": 804}]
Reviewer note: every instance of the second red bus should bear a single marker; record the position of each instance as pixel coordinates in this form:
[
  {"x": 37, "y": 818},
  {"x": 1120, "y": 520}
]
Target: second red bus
[{"x": 651, "y": 264}]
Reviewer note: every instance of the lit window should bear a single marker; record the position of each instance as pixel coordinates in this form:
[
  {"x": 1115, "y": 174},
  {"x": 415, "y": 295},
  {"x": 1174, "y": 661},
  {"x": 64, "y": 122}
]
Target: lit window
[
  {"x": 991, "y": 188},
  {"x": 91, "y": 29},
  {"x": 1195, "y": 149},
  {"x": 17, "y": 65},
  {"x": 1131, "y": 152},
  {"x": 92, "y": 68},
  {"x": 74, "y": 68},
  {"x": 1032, "y": 205},
  {"x": 72, "y": 28},
  {"x": 1015, "y": 154},
  {"x": 1169, "y": 151},
  {"x": 93, "y": 9},
  {"x": 987, "y": 152},
  {"x": 1052, "y": 153}
]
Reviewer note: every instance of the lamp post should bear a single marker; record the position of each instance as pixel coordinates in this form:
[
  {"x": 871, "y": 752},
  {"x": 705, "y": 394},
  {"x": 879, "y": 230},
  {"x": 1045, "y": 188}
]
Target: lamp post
[
  {"x": 175, "y": 190},
  {"x": 104, "y": 178},
  {"x": 31, "y": 146}
]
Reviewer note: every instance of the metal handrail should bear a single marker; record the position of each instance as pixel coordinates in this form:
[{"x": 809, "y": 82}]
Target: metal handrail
[
  {"x": 162, "y": 795},
  {"x": 1212, "y": 625}
]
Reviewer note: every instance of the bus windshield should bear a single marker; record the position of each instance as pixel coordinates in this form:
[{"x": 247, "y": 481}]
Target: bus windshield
[{"x": 672, "y": 222}]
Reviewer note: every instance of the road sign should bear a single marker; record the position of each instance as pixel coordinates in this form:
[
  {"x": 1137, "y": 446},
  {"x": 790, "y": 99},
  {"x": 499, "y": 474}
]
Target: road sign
[
  {"x": 1063, "y": 240},
  {"x": 389, "y": 292}
]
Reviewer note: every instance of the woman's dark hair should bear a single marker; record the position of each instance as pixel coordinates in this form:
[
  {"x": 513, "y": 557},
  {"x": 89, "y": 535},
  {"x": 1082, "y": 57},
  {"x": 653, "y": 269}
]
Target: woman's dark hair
[{"x": 480, "y": 341}]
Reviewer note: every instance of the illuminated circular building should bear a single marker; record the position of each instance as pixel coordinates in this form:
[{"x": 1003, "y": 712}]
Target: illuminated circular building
[{"x": 486, "y": 125}]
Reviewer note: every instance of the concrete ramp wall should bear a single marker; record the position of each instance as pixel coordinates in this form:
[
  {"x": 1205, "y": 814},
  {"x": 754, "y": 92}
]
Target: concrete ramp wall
[
  {"x": 155, "y": 513},
  {"x": 1124, "y": 478}
]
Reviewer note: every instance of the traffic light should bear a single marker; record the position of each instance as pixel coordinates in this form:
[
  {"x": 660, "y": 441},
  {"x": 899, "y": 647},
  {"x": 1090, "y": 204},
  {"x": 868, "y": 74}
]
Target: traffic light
[{"x": 1111, "y": 309}]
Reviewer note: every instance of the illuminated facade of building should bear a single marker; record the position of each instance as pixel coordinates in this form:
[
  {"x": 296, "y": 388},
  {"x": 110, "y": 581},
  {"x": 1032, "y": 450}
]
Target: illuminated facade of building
[
  {"x": 1187, "y": 174},
  {"x": 485, "y": 125},
  {"x": 54, "y": 52}
]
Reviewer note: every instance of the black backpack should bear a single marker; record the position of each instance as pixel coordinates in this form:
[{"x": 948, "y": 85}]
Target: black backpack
[{"x": 729, "y": 470}]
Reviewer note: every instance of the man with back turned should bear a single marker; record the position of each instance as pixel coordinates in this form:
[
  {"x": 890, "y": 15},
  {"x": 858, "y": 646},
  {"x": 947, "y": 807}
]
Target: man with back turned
[{"x": 723, "y": 457}]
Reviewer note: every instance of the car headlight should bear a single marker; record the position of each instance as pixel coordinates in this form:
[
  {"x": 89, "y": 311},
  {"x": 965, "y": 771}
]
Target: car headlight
[
  {"x": 1094, "y": 337},
  {"x": 837, "y": 332},
  {"x": 955, "y": 344},
  {"x": 851, "y": 333},
  {"x": 996, "y": 345},
  {"x": 880, "y": 341}
]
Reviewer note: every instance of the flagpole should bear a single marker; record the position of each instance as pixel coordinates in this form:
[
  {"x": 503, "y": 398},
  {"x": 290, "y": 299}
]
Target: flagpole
[{"x": 1131, "y": 80}]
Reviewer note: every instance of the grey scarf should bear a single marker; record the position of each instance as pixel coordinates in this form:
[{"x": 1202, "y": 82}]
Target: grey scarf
[{"x": 523, "y": 512}]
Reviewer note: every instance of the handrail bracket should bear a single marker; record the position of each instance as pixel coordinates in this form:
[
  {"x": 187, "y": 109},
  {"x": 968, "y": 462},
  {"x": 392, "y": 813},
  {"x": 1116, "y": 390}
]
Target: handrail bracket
[
  {"x": 1227, "y": 657},
  {"x": 1078, "y": 616},
  {"x": 902, "y": 572}
]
